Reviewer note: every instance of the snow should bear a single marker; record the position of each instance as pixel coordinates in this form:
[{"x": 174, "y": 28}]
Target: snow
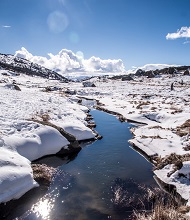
[
  {"x": 15, "y": 175},
  {"x": 37, "y": 142},
  {"x": 181, "y": 182},
  {"x": 80, "y": 131},
  {"x": 160, "y": 110},
  {"x": 149, "y": 101},
  {"x": 23, "y": 138}
]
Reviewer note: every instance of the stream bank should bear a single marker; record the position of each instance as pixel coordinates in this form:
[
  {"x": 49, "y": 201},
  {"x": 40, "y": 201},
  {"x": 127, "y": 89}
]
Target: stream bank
[{"x": 100, "y": 181}]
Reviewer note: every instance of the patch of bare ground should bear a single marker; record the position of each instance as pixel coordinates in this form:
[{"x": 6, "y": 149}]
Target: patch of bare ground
[
  {"x": 163, "y": 207},
  {"x": 176, "y": 160},
  {"x": 141, "y": 104},
  {"x": 43, "y": 174},
  {"x": 184, "y": 129}
]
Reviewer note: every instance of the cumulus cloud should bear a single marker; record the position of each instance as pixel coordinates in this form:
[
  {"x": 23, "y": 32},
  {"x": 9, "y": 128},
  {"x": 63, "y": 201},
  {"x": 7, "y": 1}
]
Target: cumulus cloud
[
  {"x": 68, "y": 62},
  {"x": 184, "y": 32}
]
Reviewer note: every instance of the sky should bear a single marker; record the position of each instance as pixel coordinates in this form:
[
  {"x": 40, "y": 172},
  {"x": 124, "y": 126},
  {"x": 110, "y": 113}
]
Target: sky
[{"x": 138, "y": 32}]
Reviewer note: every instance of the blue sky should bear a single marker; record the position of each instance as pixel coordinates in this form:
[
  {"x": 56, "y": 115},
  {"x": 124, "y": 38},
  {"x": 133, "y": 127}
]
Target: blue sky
[{"x": 132, "y": 30}]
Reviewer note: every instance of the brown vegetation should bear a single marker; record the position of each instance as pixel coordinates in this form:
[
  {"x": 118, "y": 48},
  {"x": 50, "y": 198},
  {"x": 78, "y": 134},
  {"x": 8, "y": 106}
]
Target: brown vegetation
[
  {"x": 184, "y": 129},
  {"x": 163, "y": 208}
]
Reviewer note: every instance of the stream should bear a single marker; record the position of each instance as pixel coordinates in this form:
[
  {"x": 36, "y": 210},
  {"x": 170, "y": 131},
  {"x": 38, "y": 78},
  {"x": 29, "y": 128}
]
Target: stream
[{"x": 101, "y": 182}]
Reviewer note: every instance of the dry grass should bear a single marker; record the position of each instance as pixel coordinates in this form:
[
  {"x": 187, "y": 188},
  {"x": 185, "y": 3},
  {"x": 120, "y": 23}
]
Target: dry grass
[
  {"x": 161, "y": 212},
  {"x": 45, "y": 117},
  {"x": 170, "y": 159},
  {"x": 139, "y": 106},
  {"x": 43, "y": 174},
  {"x": 184, "y": 129},
  {"x": 163, "y": 209}
]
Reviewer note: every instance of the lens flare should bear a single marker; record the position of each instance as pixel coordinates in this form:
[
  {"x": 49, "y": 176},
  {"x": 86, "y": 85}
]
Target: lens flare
[
  {"x": 57, "y": 22},
  {"x": 80, "y": 55}
]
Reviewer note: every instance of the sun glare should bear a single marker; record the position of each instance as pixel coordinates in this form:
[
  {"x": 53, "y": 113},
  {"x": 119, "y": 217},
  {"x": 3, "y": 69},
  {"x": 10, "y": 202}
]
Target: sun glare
[{"x": 43, "y": 208}]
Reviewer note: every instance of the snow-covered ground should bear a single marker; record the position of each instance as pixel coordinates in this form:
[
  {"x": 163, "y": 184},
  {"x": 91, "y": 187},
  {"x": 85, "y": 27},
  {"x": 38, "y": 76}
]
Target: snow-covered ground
[
  {"x": 21, "y": 139},
  {"x": 152, "y": 101},
  {"x": 146, "y": 100}
]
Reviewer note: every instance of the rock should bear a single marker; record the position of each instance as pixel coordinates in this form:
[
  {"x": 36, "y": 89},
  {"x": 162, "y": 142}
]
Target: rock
[
  {"x": 16, "y": 87},
  {"x": 140, "y": 72},
  {"x": 149, "y": 74},
  {"x": 186, "y": 72},
  {"x": 88, "y": 84},
  {"x": 127, "y": 78},
  {"x": 71, "y": 91},
  {"x": 13, "y": 86},
  {"x": 171, "y": 70}
]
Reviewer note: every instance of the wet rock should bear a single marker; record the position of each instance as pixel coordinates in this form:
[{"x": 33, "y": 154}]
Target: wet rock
[{"x": 91, "y": 125}]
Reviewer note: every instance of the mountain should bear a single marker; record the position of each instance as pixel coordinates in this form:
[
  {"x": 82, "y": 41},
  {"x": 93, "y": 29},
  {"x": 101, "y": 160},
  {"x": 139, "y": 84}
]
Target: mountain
[{"x": 21, "y": 65}]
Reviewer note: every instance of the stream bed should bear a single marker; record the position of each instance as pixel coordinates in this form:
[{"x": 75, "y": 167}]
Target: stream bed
[{"x": 101, "y": 182}]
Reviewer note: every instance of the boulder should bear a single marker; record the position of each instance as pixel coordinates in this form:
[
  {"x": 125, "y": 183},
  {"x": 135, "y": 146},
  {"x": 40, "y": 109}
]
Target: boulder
[
  {"x": 88, "y": 84},
  {"x": 150, "y": 74},
  {"x": 140, "y": 72},
  {"x": 71, "y": 91},
  {"x": 126, "y": 78},
  {"x": 186, "y": 72},
  {"x": 171, "y": 70}
]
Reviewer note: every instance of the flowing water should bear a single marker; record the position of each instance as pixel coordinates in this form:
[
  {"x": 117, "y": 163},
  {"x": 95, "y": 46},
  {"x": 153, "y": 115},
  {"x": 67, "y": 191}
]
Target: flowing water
[{"x": 100, "y": 182}]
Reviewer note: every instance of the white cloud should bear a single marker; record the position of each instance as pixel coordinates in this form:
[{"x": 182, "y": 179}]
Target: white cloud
[
  {"x": 184, "y": 32},
  {"x": 148, "y": 67},
  {"x": 66, "y": 62},
  {"x": 6, "y": 26}
]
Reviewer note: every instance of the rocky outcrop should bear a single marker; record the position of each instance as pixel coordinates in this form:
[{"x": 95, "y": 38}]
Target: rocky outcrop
[
  {"x": 127, "y": 78},
  {"x": 140, "y": 72},
  {"x": 20, "y": 65}
]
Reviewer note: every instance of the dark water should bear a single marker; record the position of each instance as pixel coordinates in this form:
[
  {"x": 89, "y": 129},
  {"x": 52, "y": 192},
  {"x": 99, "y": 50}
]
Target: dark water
[{"x": 100, "y": 182}]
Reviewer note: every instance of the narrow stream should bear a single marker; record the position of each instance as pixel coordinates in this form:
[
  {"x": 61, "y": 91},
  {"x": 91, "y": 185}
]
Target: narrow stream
[{"x": 100, "y": 182}]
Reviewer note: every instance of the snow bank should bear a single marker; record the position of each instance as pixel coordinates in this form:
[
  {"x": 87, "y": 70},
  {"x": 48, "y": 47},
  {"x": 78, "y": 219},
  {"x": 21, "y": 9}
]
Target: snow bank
[
  {"x": 81, "y": 132},
  {"x": 38, "y": 142},
  {"x": 179, "y": 179},
  {"x": 15, "y": 175},
  {"x": 151, "y": 101},
  {"x": 21, "y": 139}
]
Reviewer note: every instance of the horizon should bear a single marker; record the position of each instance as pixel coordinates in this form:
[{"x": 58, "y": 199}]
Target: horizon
[{"x": 136, "y": 32}]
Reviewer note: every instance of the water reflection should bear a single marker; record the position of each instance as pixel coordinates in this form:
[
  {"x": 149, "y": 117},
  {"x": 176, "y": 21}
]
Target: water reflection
[
  {"x": 43, "y": 208},
  {"x": 97, "y": 183}
]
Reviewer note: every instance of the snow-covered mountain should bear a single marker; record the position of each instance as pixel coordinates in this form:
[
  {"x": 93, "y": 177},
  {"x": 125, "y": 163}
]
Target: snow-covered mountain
[{"x": 21, "y": 65}]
